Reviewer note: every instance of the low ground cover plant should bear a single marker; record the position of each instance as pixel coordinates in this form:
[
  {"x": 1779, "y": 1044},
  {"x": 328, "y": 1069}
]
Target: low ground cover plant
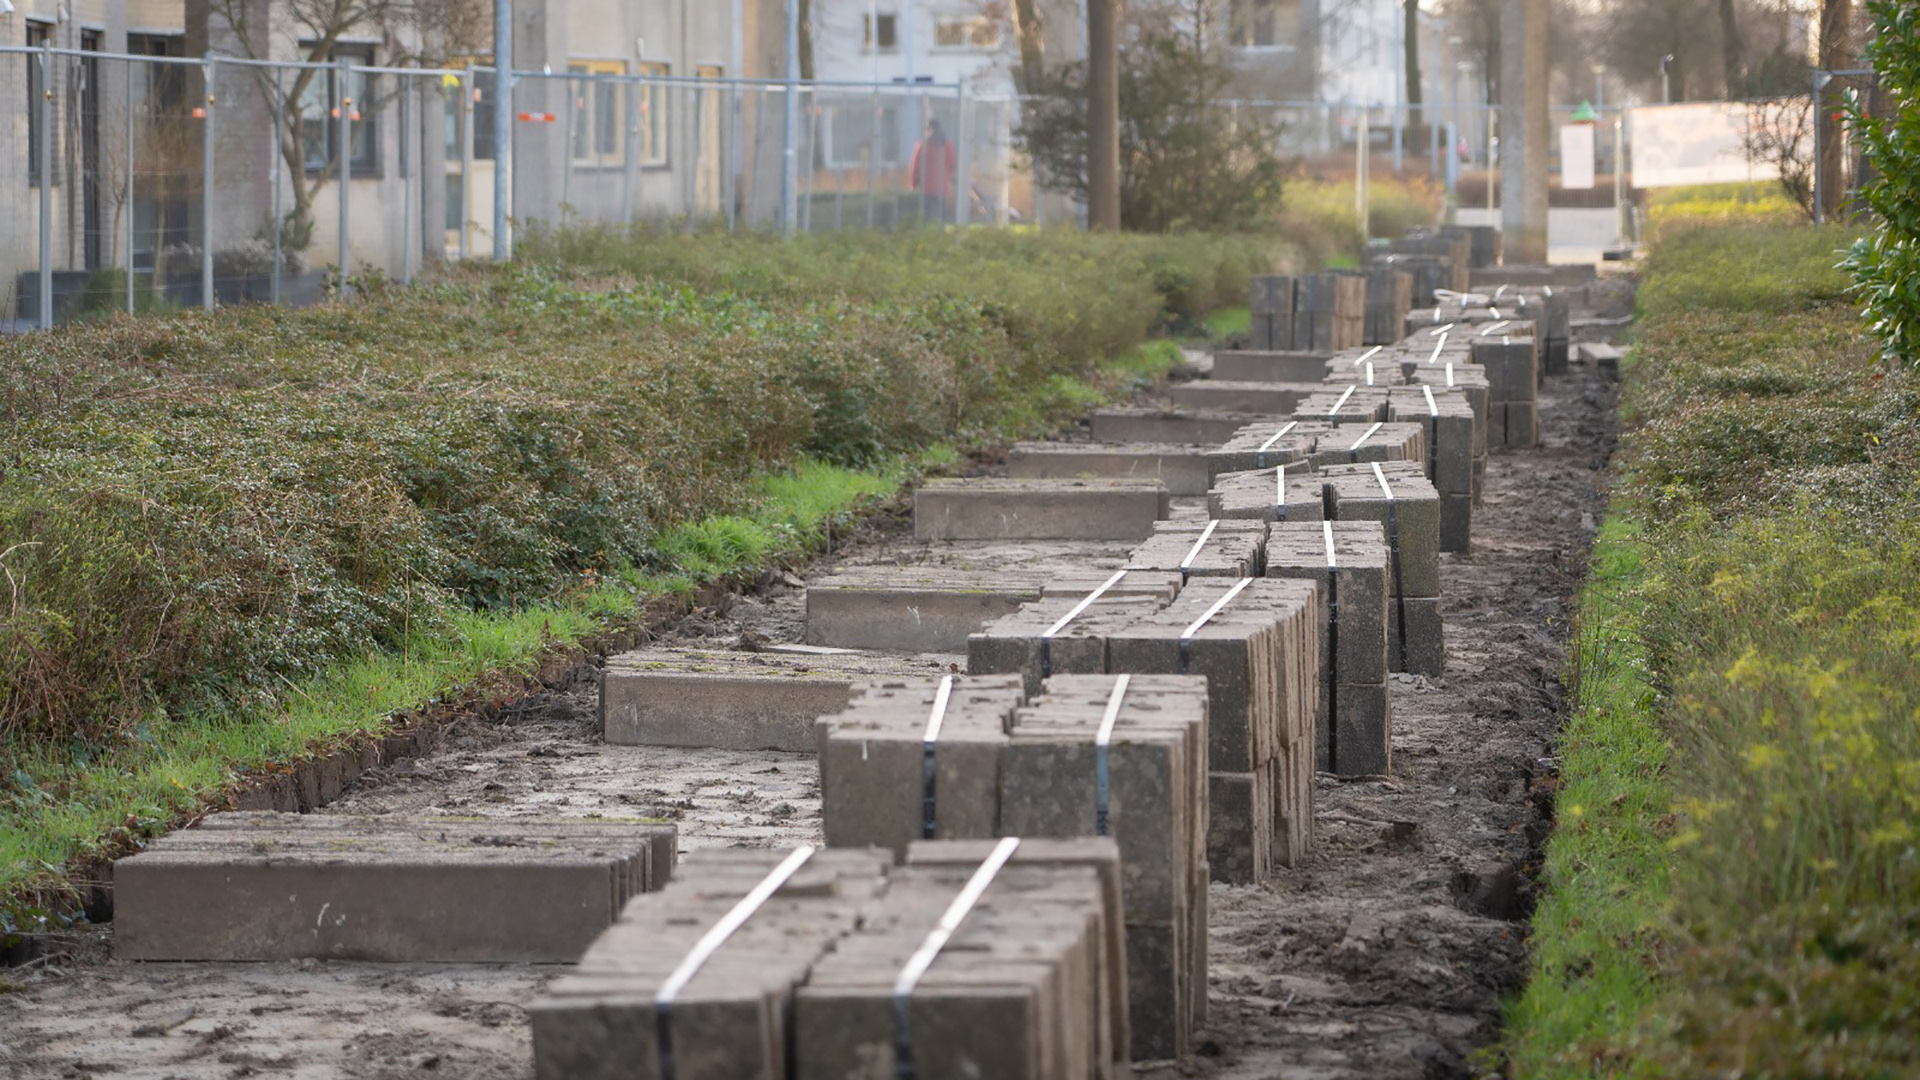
[
  {"x": 1734, "y": 877},
  {"x": 210, "y": 522}
]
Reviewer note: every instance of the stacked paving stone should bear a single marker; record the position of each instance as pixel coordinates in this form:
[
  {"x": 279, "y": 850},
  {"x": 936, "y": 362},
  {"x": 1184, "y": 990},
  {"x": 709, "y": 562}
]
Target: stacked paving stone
[
  {"x": 1010, "y": 509},
  {"x": 260, "y": 886},
  {"x": 961, "y": 970},
  {"x": 827, "y": 964},
  {"x": 635, "y": 1008},
  {"x": 1148, "y": 424},
  {"x": 1512, "y": 366},
  {"x": 1318, "y": 312},
  {"x": 1400, "y": 497},
  {"x": 730, "y": 700},
  {"x": 1213, "y": 548},
  {"x": 1389, "y": 298},
  {"x": 1257, "y": 643},
  {"x": 1126, "y": 756},
  {"x": 916, "y": 760},
  {"x": 965, "y": 757},
  {"x": 1456, "y": 454},
  {"x": 1350, "y": 562},
  {"x": 1181, "y": 468},
  {"x": 1284, "y": 366},
  {"x": 1055, "y": 636}
]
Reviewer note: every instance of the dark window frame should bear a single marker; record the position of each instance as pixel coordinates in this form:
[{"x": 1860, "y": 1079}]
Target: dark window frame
[{"x": 363, "y": 162}]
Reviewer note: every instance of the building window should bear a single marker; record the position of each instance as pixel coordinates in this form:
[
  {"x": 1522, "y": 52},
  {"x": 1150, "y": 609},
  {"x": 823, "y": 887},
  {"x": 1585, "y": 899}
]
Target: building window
[
  {"x": 653, "y": 115},
  {"x": 598, "y": 112},
  {"x": 38, "y": 35},
  {"x": 975, "y": 32},
  {"x": 1264, "y": 24},
  {"x": 327, "y": 101},
  {"x": 881, "y": 28},
  {"x": 856, "y": 129},
  {"x": 162, "y": 88}
]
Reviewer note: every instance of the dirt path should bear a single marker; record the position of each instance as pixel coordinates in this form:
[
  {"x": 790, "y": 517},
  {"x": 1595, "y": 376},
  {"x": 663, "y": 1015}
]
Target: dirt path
[{"x": 1386, "y": 956}]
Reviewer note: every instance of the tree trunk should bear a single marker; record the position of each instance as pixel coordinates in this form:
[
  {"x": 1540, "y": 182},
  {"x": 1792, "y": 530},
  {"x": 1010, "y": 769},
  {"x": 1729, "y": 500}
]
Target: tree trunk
[
  {"x": 1415, "y": 97},
  {"x": 1028, "y": 30},
  {"x": 1836, "y": 23},
  {"x": 1730, "y": 52},
  {"x": 806, "y": 40}
]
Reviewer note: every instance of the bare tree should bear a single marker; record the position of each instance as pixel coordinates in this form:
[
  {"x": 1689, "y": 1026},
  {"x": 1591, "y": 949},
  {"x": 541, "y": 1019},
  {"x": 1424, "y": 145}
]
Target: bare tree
[
  {"x": 1780, "y": 133},
  {"x": 416, "y": 32}
]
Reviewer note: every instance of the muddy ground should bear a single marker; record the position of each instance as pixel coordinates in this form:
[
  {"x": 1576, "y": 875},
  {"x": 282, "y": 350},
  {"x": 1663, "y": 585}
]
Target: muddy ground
[{"x": 1387, "y": 955}]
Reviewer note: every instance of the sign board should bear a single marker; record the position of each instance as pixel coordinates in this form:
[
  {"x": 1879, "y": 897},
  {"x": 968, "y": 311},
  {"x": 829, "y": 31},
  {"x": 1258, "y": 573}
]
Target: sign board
[
  {"x": 1576, "y": 156},
  {"x": 1704, "y": 143}
]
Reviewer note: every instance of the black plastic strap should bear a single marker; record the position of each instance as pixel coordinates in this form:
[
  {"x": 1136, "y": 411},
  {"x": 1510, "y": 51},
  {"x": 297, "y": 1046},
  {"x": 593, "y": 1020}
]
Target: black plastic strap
[{"x": 928, "y": 743}]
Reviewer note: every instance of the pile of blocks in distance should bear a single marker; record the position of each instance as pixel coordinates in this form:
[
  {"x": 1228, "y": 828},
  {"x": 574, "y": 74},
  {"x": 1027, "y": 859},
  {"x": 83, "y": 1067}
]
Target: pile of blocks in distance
[{"x": 1016, "y": 878}]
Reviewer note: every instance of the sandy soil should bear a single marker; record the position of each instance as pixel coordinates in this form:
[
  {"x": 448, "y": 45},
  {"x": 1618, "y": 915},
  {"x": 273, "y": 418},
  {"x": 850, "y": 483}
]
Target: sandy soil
[{"x": 1385, "y": 956}]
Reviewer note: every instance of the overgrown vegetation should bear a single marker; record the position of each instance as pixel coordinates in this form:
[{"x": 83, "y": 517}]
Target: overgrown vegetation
[
  {"x": 1735, "y": 872},
  {"x": 208, "y": 520}
]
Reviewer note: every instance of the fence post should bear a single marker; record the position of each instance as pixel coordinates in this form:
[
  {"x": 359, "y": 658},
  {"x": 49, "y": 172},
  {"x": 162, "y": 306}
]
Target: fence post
[
  {"x": 1619, "y": 185},
  {"x": 45, "y": 152},
  {"x": 502, "y": 124},
  {"x": 343, "y": 103},
  {"x": 1363, "y": 133},
  {"x": 408, "y": 164},
  {"x": 273, "y": 177},
  {"x": 790, "y": 161},
  {"x": 127, "y": 203},
  {"x": 206, "y": 196},
  {"x": 963, "y": 168},
  {"x": 630, "y": 160},
  {"x": 1819, "y": 150},
  {"x": 468, "y": 87}
]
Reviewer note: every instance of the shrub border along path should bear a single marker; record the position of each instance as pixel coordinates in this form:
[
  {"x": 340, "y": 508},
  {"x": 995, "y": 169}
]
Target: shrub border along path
[{"x": 66, "y": 807}]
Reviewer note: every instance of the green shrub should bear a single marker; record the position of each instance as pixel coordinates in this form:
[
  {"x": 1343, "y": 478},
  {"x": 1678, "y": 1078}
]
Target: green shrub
[
  {"x": 199, "y": 509},
  {"x": 1886, "y": 265}
]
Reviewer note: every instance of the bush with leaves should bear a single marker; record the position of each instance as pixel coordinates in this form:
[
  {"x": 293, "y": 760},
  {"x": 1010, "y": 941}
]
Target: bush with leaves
[
  {"x": 1886, "y": 265},
  {"x": 1187, "y": 160}
]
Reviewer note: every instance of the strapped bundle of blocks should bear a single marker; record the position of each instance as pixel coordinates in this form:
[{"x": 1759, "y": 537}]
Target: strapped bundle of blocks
[{"x": 1015, "y": 882}]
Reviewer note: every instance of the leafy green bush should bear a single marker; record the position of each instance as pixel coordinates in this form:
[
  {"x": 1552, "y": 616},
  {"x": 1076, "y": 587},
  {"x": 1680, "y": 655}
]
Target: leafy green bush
[
  {"x": 1886, "y": 265},
  {"x": 1187, "y": 160}
]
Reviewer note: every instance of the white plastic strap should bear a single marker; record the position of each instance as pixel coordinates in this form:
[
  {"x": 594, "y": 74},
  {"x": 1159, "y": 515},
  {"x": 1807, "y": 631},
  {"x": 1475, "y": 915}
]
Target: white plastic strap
[
  {"x": 1369, "y": 374},
  {"x": 717, "y": 936},
  {"x": 1434, "y": 357},
  {"x": 1494, "y": 310},
  {"x": 950, "y": 921},
  {"x": 1377, "y": 424},
  {"x": 1494, "y": 326},
  {"x": 1368, "y": 355},
  {"x": 1342, "y": 403},
  {"x": 1438, "y": 330},
  {"x": 1278, "y": 435},
  {"x": 1499, "y": 292},
  {"x": 1102, "y": 741},
  {"x": 1280, "y": 487},
  {"x": 1326, "y": 528},
  {"x": 1449, "y": 373},
  {"x": 1186, "y": 564},
  {"x": 1382, "y": 477},
  {"x": 1084, "y": 604},
  {"x": 939, "y": 715},
  {"x": 1217, "y": 607},
  {"x": 1433, "y": 409}
]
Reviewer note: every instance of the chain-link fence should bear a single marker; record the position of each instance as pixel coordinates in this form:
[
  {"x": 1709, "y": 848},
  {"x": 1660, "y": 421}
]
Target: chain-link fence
[{"x": 153, "y": 180}]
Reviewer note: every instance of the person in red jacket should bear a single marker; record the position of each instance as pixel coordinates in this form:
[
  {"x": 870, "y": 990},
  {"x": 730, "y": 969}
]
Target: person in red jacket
[{"x": 935, "y": 163}]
